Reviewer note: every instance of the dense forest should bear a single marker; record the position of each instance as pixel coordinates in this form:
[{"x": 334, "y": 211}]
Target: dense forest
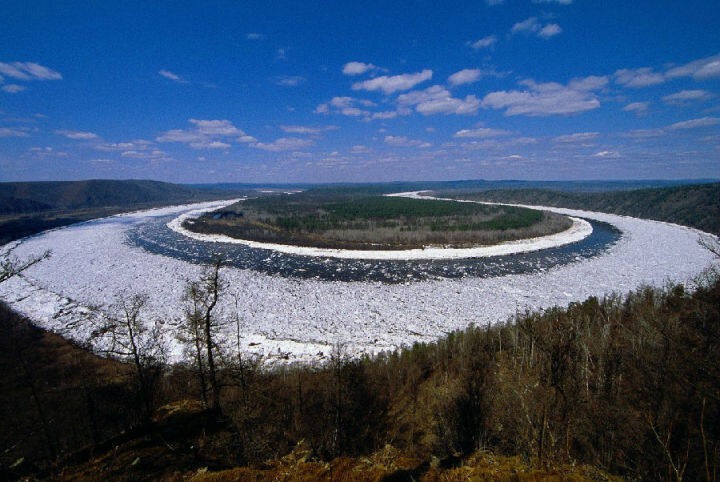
[
  {"x": 693, "y": 205},
  {"x": 27, "y": 208}
]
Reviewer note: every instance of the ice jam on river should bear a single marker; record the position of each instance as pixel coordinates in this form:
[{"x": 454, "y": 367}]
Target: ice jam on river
[{"x": 296, "y": 308}]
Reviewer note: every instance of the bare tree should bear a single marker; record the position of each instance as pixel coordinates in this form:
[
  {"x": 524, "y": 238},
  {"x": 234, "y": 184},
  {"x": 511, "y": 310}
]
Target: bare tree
[
  {"x": 201, "y": 326},
  {"x": 11, "y": 266},
  {"x": 127, "y": 336}
]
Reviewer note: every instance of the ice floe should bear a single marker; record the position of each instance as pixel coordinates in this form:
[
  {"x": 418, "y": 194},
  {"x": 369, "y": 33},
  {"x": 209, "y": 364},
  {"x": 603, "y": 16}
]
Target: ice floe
[{"x": 289, "y": 319}]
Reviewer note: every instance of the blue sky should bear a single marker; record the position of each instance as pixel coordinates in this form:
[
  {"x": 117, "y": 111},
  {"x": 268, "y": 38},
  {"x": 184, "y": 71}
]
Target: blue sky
[{"x": 289, "y": 91}]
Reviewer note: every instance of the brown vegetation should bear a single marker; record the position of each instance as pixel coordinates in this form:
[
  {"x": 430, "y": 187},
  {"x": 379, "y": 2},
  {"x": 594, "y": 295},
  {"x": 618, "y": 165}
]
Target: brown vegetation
[{"x": 628, "y": 384}]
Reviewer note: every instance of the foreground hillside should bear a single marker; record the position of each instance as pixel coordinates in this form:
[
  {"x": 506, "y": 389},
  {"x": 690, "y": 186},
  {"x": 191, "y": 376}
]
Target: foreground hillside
[
  {"x": 697, "y": 206},
  {"x": 629, "y": 385}
]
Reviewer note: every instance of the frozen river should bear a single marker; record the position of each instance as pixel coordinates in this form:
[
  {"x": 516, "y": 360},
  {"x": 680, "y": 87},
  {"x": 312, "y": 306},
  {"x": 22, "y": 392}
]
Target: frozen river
[{"x": 294, "y": 307}]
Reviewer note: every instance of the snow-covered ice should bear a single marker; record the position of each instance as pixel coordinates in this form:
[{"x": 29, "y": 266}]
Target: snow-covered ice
[{"x": 297, "y": 319}]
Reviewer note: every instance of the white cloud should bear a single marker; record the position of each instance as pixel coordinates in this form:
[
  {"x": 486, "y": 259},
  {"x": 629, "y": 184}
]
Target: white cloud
[
  {"x": 533, "y": 26},
  {"x": 149, "y": 154},
  {"x": 172, "y": 76},
  {"x": 687, "y": 96},
  {"x": 353, "y": 107},
  {"x": 402, "y": 141},
  {"x": 438, "y": 100},
  {"x": 12, "y": 88},
  {"x": 136, "y": 145},
  {"x": 289, "y": 80},
  {"x": 322, "y": 109},
  {"x": 358, "y": 68},
  {"x": 481, "y": 132},
  {"x": 13, "y": 132},
  {"x": 307, "y": 129},
  {"x": 78, "y": 135},
  {"x": 641, "y": 77},
  {"x": 695, "y": 123},
  {"x": 394, "y": 83},
  {"x": 28, "y": 71},
  {"x": 484, "y": 42},
  {"x": 592, "y": 82},
  {"x": 465, "y": 76},
  {"x": 359, "y": 149},
  {"x": 578, "y": 137},
  {"x": 701, "y": 69},
  {"x": 637, "y": 107},
  {"x": 542, "y": 99},
  {"x": 207, "y": 134},
  {"x": 284, "y": 144},
  {"x": 607, "y": 154},
  {"x": 550, "y": 30},
  {"x": 529, "y": 25}
]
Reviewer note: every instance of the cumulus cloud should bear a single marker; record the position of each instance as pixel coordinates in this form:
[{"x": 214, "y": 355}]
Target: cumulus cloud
[
  {"x": 550, "y": 30},
  {"x": 465, "y": 76},
  {"x": 353, "y": 107},
  {"x": 358, "y": 68},
  {"x": 402, "y": 141},
  {"x": 578, "y": 137},
  {"x": 700, "y": 69},
  {"x": 641, "y": 77},
  {"x": 207, "y": 134},
  {"x": 438, "y": 100},
  {"x": 481, "y": 132},
  {"x": 543, "y": 99},
  {"x": 484, "y": 42},
  {"x": 637, "y": 107},
  {"x": 394, "y": 83},
  {"x": 687, "y": 96},
  {"x": 284, "y": 144},
  {"x": 532, "y": 26},
  {"x": 28, "y": 71},
  {"x": 13, "y": 88},
  {"x": 77, "y": 135}
]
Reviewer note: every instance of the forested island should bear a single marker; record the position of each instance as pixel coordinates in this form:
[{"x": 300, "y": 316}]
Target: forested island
[{"x": 354, "y": 219}]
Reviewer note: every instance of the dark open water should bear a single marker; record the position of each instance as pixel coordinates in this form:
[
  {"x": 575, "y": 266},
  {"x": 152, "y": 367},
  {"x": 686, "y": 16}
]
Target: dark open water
[{"x": 155, "y": 237}]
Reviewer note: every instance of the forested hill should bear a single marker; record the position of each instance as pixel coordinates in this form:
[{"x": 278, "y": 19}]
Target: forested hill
[
  {"x": 691, "y": 205},
  {"x": 27, "y": 208},
  {"x": 27, "y": 197}
]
